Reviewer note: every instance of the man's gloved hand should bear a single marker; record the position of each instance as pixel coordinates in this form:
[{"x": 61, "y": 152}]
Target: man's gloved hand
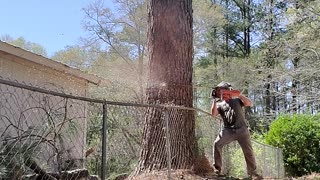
[{"x": 213, "y": 93}]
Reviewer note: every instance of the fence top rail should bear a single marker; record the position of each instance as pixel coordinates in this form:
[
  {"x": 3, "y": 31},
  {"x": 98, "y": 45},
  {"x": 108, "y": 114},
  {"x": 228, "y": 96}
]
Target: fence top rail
[
  {"x": 94, "y": 100},
  {"x": 45, "y": 91}
]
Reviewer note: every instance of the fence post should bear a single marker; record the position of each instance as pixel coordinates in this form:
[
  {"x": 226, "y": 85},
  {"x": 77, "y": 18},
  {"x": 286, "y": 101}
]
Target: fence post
[
  {"x": 166, "y": 116},
  {"x": 278, "y": 163},
  {"x": 104, "y": 141},
  {"x": 264, "y": 170}
]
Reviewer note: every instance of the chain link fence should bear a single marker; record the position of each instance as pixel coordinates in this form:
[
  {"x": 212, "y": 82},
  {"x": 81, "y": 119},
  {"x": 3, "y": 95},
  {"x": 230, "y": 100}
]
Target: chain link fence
[{"x": 52, "y": 135}]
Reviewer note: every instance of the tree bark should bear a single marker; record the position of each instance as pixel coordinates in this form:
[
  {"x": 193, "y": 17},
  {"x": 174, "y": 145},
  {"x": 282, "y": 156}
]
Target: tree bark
[
  {"x": 247, "y": 19},
  {"x": 270, "y": 59},
  {"x": 295, "y": 85},
  {"x": 169, "y": 82}
]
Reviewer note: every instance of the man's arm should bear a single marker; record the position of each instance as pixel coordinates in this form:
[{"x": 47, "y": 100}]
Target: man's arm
[
  {"x": 214, "y": 110},
  {"x": 246, "y": 101}
]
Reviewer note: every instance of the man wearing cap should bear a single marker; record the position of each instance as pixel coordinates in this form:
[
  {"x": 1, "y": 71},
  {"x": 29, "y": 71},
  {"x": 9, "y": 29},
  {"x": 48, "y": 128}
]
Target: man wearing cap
[{"x": 228, "y": 103}]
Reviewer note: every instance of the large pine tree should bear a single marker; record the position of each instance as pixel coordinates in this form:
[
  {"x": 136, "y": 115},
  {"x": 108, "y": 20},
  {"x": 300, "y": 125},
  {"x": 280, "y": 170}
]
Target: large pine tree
[{"x": 170, "y": 37}]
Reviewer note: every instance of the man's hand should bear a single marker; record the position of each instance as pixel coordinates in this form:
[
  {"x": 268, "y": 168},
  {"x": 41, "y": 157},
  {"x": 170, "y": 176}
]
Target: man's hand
[{"x": 214, "y": 110}]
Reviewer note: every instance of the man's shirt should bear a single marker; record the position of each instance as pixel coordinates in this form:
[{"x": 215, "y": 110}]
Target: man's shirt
[{"x": 232, "y": 113}]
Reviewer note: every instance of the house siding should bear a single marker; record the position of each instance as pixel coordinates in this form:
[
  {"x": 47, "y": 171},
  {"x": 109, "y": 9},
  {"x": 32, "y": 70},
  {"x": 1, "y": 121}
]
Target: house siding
[{"x": 23, "y": 71}]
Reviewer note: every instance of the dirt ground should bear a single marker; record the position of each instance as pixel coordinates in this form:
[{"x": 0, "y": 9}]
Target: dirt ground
[
  {"x": 180, "y": 175},
  {"x": 202, "y": 171},
  {"x": 315, "y": 176},
  {"x": 188, "y": 175}
]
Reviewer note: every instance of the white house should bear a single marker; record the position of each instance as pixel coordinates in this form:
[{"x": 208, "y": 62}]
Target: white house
[{"x": 58, "y": 124}]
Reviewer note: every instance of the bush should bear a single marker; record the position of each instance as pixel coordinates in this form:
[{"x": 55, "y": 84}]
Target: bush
[{"x": 299, "y": 138}]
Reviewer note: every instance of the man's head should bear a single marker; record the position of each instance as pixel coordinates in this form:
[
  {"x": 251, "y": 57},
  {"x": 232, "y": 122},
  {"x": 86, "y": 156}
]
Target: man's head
[
  {"x": 224, "y": 85},
  {"x": 217, "y": 91}
]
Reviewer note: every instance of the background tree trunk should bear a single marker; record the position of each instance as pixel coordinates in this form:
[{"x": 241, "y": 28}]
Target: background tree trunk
[{"x": 170, "y": 81}]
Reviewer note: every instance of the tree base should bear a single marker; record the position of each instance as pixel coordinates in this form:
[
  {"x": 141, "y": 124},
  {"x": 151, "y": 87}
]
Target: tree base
[
  {"x": 163, "y": 174},
  {"x": 201, "y": 170}
]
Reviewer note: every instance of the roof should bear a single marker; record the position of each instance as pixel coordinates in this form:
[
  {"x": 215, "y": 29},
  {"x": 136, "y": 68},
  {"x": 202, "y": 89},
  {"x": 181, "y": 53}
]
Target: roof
[{"x": 58, "y": 66}]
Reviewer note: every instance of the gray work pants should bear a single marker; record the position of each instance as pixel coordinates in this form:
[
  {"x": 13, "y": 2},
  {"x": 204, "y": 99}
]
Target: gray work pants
[{"x": 242, "y": 135}]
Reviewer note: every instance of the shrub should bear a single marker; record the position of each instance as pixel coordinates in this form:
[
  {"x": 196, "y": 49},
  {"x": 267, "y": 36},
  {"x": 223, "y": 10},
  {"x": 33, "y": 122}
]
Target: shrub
[{"x": 299, "y": 138}]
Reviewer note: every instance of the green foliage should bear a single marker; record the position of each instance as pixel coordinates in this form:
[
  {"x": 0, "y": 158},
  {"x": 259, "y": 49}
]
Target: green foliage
[
  {"x": 299, "y": 138},
  {"x": 93, "y": 164},
  {"x": 238, "y": 168},
  {"x": 116, "y": 166},
  {"x": 122, "y": 140},
  {"x": 13, "y": 157},
  {"x": 258, "y": 137},
  {"x": 76, "y": 57}
]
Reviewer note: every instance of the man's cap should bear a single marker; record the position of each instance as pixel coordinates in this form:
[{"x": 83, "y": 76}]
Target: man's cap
[{"x": 224, "y": 85}]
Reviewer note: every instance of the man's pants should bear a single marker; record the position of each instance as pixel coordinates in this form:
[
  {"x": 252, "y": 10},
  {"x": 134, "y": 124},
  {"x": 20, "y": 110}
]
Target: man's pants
[{"x": 242, "y": 135}]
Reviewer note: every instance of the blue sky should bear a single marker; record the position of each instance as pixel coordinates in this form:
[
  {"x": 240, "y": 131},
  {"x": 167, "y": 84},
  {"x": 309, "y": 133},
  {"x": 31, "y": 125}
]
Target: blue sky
[{"x": 53, "y": 24}]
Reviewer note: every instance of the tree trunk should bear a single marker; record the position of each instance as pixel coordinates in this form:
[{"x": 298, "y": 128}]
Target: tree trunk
[
  {"x": 246, "y": 32},
  {"x": 295, "y": 84},
  {"x": 140, "y": 71},
  {"x": 270, "y": 59},
  {"x": 226, "y": 32},
  {"x": 169, "y": 82}
]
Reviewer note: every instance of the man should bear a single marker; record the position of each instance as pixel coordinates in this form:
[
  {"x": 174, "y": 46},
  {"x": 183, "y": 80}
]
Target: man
[{"x": 228, "y": 103}]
